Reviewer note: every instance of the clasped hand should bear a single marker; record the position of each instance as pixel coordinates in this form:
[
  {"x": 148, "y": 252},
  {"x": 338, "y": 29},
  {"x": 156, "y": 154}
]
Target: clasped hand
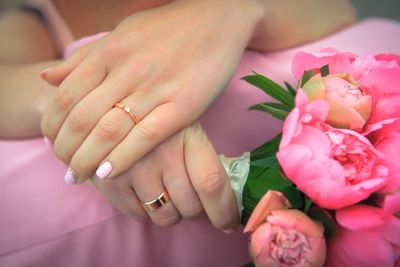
[{"x": 168, "y": 74}]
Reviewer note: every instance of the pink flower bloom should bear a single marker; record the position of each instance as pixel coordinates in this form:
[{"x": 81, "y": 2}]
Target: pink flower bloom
[
  {"x": 386, "y": 138},
  {"x": 390, "y": 202},
  {"x": 383, "y": 84},
  {"x": 272, "y": 200},
  {"x": 367, "y": 237},
  {"x": 283, "y": 237},
  {"x": 378, "y": 76},
  {"x": 334, "y": 167},
  {"x": 338, "y": 62},
  {"x": 349, "y": 106}
]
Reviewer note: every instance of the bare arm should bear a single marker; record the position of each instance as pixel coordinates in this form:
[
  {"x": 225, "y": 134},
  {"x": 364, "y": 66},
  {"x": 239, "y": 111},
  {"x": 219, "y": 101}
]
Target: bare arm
[
  {"x": 27, "y": 49},
  {"x": 288, "y": 23}
]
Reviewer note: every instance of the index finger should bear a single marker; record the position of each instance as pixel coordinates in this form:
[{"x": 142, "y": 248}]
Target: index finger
[{"x": 153, "y": 129}]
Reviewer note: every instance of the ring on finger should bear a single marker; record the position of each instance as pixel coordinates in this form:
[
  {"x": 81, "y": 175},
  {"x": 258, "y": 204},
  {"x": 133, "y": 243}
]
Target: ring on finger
[
  {"x": 157, "y": 203},
  {"x": 128, "y": 110}
]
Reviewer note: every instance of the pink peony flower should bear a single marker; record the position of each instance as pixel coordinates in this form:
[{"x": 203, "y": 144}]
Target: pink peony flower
[
  {"x": 334, "y": 167},
  {"x": 378, "y": 76},
  {"x": 349, "y": 106},
  {"x": 382, "y": 82},
  {"x": 272, "y": 200},
  {"x": 367, "y": 237},
  {"x": 390, "y": 202},
  {"x": 385, "y": 136},
  {"x": 284, "y": 237}
]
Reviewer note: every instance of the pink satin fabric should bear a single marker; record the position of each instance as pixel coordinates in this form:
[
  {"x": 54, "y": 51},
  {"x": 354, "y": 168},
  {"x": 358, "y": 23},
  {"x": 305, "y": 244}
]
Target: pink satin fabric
[{"x": 45, "y": 222}]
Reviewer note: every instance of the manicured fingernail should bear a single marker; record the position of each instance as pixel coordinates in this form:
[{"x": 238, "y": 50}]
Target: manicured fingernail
[
  {"x": 43, "y": 73},
  {"x": 104, "y": 170},
  {"x": 70, "y": 177},
  {"x": 228, "y": 232},
  {"x": 47, "y": 141}
]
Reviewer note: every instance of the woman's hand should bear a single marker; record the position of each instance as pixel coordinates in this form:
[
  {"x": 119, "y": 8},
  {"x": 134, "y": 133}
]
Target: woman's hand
[
  {"x": 187, "y": 166},
  {"x": 168, "y": 64}
]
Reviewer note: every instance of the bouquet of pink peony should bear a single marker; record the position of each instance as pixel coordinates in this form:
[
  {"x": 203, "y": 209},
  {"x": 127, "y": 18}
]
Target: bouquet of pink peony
[{"x": 326, "y": 191}]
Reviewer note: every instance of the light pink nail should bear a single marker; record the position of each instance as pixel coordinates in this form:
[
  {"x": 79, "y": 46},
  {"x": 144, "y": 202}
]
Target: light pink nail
[
  {"x": 228, "y": 232},
  {"x": 104, "y": 170},
  {"x": 47, "y": 141},
  {"x": 70, "y": 177}
]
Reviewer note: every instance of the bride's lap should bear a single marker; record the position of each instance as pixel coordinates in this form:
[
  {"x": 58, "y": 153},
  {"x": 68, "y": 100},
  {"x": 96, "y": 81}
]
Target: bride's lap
[{"x": 46, "y": 222}]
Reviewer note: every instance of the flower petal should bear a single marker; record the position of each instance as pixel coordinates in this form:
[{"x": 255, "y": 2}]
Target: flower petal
[
  {"x": 272, "y": 200},
  {"x": 360, "y": 217}
]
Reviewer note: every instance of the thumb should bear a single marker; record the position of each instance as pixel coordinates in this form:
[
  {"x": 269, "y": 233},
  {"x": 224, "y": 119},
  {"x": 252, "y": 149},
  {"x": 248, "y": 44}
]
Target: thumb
[{"x": 209, "y": 179}]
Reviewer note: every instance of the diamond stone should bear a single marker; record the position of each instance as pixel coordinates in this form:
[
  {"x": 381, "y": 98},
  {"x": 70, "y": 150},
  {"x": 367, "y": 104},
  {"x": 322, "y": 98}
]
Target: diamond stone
[{"x": 127, "y": 109}]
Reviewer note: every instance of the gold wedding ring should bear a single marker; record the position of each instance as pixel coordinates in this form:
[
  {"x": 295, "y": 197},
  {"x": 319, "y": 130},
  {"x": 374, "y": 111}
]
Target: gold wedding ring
[
  {"x": 128, "y": 110},
  {"x": 157, "y": 203}
]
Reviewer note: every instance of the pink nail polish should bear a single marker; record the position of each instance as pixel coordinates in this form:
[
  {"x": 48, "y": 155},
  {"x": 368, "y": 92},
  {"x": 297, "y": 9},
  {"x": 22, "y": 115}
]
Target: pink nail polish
[
  {"x": 47, "y": 141},
  {"x": 228, "y": 232},
  {"x": 70, "y": 177},
  {"x": 104, "y": 170},
  {"x": 43, "y": 73}
]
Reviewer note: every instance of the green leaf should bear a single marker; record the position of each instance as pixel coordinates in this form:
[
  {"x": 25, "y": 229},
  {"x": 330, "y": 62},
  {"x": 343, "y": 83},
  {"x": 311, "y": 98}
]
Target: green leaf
[
  {"x": 270, "y": 161},
  {"x": 271, "y": 88},
  {"x": 259, "y": 181},
  {"x": 319, "y": 214},
  {"x": 267, "y": 149},
  {"x": 290, "y": 88},
  {"x": 294, "y": 196},
  {"x": 274, "y": 110},
  {"x": 324, "y": 70},
  {"x": 307, "y": 203},
  {"x": 308, "y": 75}
]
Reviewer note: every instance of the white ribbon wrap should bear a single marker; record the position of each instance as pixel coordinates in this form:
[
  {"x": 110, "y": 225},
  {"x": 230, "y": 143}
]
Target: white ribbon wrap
[{"x": 237, "y": 169}]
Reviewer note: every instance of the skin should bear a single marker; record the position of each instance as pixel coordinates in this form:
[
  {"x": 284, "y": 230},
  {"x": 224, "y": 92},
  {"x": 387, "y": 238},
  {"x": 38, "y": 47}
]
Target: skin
[
  {"x": 128, "y": 64},
  {"x": 206, "y": 191},
  {"x": 136, "y": 70}
]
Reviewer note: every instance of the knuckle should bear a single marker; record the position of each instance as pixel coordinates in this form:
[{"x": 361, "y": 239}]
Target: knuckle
[
  {"x": 77, "y": 119},
  {"x": 147, "y": 133},
  {"x": 212, "y": 184},
  {"x": 107, "y": 129},
  {"x": 63, "y": 98},
  {"x": 167, "y": 219},
  {"x": 192, "y": 210},
  {"x": 113, "y": 49}
]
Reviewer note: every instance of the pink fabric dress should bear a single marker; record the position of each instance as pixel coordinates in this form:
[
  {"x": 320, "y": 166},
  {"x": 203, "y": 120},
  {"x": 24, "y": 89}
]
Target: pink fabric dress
[{"x": 45, "y": 222}]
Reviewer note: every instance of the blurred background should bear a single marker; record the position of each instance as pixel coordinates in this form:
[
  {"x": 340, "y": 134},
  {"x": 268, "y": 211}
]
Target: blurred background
[
  {"x": 378, "y": 8},
  {"x": 366, "y": 8}
]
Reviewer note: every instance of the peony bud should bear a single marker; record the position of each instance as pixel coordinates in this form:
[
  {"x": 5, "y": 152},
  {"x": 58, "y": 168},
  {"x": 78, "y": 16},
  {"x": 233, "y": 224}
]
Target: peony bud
[
  {"x": 349, "y": 106},
  {"x": 288, "y": 238},
  {"x": 284, "y": 237}
]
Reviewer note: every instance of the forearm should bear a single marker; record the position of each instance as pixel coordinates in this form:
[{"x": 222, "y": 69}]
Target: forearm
[
  {"x": 23, "y": 97},
  {"x": 287, "y": 23}
]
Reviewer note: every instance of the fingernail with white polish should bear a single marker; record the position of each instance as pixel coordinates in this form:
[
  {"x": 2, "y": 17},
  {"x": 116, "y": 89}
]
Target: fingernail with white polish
[
  {"x": 228, "y": 232},
  {"x": 47, "y": 141},
  {"x": 70, "y": 177},
  {"x": 104, "y": 170}
]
